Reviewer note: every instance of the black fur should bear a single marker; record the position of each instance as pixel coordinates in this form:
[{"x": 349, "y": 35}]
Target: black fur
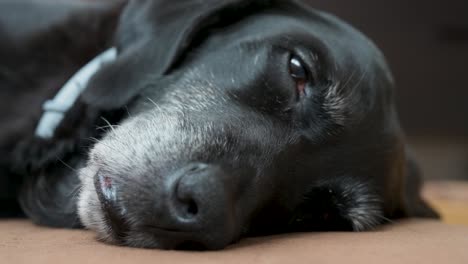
[{"x": 332, "y": 160}]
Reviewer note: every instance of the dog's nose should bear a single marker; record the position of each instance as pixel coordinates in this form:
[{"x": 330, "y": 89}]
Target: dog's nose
[
  {"x": 196, "y": 210},
  {"x": 202, "y": 205}
]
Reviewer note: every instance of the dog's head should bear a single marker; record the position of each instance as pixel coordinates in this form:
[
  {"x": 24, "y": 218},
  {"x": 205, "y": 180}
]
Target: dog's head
[{"x": 245, "y": 117}]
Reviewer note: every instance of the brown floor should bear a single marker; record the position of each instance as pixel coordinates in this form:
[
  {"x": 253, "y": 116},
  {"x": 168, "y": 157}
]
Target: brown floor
[
  {"x": 415, "y": 241},
  {"x": 450, "y": 199}
]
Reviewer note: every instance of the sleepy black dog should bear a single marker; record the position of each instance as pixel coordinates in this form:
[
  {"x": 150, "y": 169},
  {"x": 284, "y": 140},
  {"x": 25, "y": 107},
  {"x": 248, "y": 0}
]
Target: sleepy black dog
[{"x": 216, "y": 120}]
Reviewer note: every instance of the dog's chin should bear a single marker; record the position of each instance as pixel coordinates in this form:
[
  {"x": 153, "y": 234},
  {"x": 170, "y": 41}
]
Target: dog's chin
[{"x": 89, "y": 207}]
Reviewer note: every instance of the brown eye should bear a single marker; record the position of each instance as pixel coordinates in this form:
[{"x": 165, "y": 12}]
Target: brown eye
[{"x": 299, "y": 74}]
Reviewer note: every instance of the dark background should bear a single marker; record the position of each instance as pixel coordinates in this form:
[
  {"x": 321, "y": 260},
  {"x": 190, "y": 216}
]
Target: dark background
[{"x": 426, "y": 44}]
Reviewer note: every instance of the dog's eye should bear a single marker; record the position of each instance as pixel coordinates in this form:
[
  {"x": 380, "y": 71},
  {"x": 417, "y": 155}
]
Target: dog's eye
[{"x": 299, "y": 74}]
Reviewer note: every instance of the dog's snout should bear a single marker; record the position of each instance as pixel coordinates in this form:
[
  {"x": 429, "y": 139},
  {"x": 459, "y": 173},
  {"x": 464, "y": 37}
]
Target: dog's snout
[{"x": 195, "y": 208}]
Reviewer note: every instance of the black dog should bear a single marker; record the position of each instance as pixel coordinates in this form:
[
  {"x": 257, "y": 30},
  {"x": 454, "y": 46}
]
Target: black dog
[{"x": 216, "y": 120}]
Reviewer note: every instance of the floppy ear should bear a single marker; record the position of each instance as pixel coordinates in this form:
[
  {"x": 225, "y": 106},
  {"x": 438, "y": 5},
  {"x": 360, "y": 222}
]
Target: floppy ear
[
  {"x": 414, "y": 204},
  {"x": 152, "y": 39}
]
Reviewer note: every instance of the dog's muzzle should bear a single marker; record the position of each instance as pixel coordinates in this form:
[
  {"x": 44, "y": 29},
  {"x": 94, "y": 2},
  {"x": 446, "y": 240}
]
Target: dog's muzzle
[{"x": 198, "y": 209}]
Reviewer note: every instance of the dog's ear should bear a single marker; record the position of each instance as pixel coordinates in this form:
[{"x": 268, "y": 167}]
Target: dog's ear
[
  {"x": 152, "y": 39},
  {"x": 414, "y": 204}
]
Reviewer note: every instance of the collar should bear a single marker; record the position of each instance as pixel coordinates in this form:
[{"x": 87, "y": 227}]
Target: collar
[{"x": 55, "y": 109}]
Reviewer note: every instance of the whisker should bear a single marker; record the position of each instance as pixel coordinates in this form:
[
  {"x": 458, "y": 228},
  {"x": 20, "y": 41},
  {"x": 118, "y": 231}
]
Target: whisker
[
  {"x": 385, "y": 219},
  {"x": 93, "y": 139},
  {"x": 152, "y": 101},
  {"x": 77, "y": 191},
  {"x": 108, "y": 124},
  {"x": 106, "y": 127},
  {"x": 67, "y": 165},
  {"x": 362, "y": 77},
  {"x": 128, "y": 111},
  {"x": 351, "y": 76}
]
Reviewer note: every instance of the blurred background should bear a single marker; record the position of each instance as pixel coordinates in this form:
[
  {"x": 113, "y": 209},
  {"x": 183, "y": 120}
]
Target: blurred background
[{"x": 426, "y": 44}]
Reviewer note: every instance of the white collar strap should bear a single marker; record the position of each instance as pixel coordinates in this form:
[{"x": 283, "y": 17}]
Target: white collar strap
[{"x": 55, "y": 109}]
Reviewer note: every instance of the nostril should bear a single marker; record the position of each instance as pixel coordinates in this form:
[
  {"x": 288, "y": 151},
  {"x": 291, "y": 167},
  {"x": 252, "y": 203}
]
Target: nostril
[
  {"x": 188, "y": 207},
  {"x": 196, "y": 167},
  {"x": 187, "y": 190},
  {"x": 105, "y": 188},
  {"x": 192, "y": 208}
]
